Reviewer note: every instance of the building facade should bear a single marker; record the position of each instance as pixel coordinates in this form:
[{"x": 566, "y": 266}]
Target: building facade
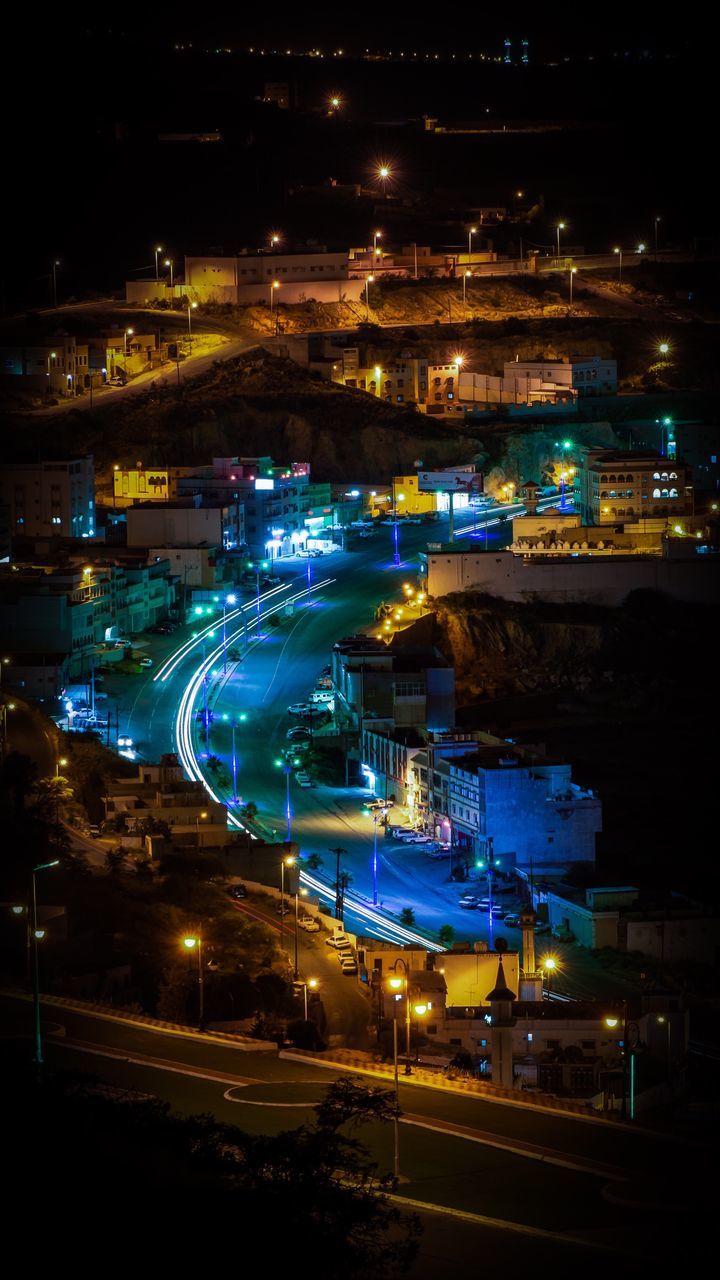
[
  {"x": 50, "y": 498},
  {"x": 617, "y": 485}
]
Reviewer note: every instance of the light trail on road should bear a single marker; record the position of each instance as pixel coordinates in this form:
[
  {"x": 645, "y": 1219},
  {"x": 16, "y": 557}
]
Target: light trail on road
[
  {"x": 386, "y": 929},
  {"x": 168, "y": 667}
]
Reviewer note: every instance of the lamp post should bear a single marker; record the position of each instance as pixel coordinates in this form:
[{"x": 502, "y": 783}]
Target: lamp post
[
  {"x": 37, "y": 936},
  {"x": 273, "y": 290},
  {"x": 158, "y": 249},
  {"x": 286, "y": 767},
  {"x": 241, "y": 718},
  {"x": 274, "y": 241},
  {"x": 58, "y": 764},
  {"x": 231, "y": 599},
  {"x": 203, "y": 815},
  {"x": 169, "y": 262},
  {"x": 560, "y": 227},
  {"x": 127, "y": 346},
  {"x": 261, "y": 564},
  {"x": 549, "y": 965},
  {"x": 466, "y": 276},
  {"x": 298, "y": 893},
  {"x": 396, "y": 531},
  {"x": 655, "y": 228},
  {"x": 55, "y": 265},
  {"x": 377, "y": 235},
  {"x": 368, "y": 282},
  {"x": 619, "y": 252},
  {"x": 573, "y": 272},
  {"x": 287, "y": 861},
  {"x": 396, "y": 985},
  {"x": 192, "y": 306},
  {"x": 471, "y": 233},
  {"x": 193, "y": 944},
  {"x": 376, "y": 818},
  {"x": 52, "y": 356},
  {"x": 384, "y": 173},
  {"x": 628, "y": 1062}
]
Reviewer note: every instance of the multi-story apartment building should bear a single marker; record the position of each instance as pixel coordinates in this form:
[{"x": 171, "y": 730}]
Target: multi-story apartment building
[
  {"x": 283, "y": 508},
  {"x": 188, "y": 522},
  {"x": 399, "y": 686},
  {"x": 50, "y": 497},
  {"x": 72, "y": 609},
  {"x": 618, "y": 485},
  {"x": 533, "y": 812},
  {"x": 160, "y": 792}
]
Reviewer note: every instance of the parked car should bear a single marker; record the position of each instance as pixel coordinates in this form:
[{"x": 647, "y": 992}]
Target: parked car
[
  {"x": 511, "y": 920},
  {"x": 297, "y": 734},
  {"x": 94, "y": 831},
  {"x": 469, "y": 901},
  {"x": 298, "y": 708},
  {"x": 237, "y": 891},
  {"x": 146, "y": 662},
  {"x": 349, "y": 967},
  {"x": 542, "y": 928},
  {"x": 309, "y": 924},
  {"x": 282, "y": 909},
  {"x": 338, "y": 940},
  {"x": 124, "y": 740},
  {"x": 322, "y": 695},
  {"x": 116, "y": 382},
  {"x": 303, "y": 779},
  {"x": 379, "y": 804},
  {"x": 315, "y": 552}
]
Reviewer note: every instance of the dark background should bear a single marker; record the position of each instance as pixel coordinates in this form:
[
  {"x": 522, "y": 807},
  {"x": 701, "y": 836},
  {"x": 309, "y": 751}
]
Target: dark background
[{"x": 89, "y": 183}]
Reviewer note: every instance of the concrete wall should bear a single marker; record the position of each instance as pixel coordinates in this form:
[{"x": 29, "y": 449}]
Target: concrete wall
[
  {"x": 594, "y": 580},
  {"x": 181, "y": 526},
  {"x": 695, "y": 939}
]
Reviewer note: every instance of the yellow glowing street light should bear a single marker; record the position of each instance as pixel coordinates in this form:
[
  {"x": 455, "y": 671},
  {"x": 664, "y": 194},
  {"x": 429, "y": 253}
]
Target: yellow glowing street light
[
  {"x": 560, "y": 227},
  {"x": 384, "y": 172},
  {"x": 396, "y": 983},
  {"x": 664, "y": 348},
  {"x": 193, "y": 942},
  {"x": 420, "y": 1010},
  {"x": 471, "y": 232},
  {"x": 335, "y": 102},
  {"x": 274, "y": 239},
  {"x": 611, "y": 1022}
]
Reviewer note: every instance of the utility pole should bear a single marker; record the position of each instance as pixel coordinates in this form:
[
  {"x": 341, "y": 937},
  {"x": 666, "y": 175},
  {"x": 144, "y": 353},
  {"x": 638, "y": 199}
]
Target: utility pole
[{"x": 339, "y": 890}]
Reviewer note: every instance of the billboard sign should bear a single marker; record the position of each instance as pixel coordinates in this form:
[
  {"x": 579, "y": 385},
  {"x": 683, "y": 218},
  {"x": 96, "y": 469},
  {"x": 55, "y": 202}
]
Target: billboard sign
[{"x": 449, "y": 481}]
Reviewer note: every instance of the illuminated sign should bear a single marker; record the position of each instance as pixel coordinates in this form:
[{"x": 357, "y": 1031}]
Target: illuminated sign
[
  {"x": 449, "y": 481},
  {"x": 264, "y": 484}
]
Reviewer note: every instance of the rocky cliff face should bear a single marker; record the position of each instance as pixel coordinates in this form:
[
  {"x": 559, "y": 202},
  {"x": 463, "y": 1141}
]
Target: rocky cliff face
[{"x": 499, "y": 649}]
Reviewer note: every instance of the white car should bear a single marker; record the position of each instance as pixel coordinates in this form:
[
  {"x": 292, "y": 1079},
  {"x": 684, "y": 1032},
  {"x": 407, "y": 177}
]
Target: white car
[
  {"x": 338, "y": 941},
  {"x": 349, "y": 967},
  {"x": 322, "y": 695},
  {"x": 309, "y": 924},
  {"x": 298, "y": 708}
]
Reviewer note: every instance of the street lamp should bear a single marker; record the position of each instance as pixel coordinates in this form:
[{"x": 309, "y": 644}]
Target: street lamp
[
  {"x": 376, "y": 817},
  {"x": 287, "y": 861},
  {"x": 549, "y": 964},
  {"x": 231, "y": 599},
  {"x": 261, "y": 564},
  {"x": 310, "y": 985},
  {"x": 655, "y": 228},
  {"x": 613, "y": 1021},
  {"x": 55, "y": 265},
  {"x": 193, "y": 943},
  {"x": 170, "y": 262},
  {"x": 158, "y": 249},
  {"x": 573, "y": 272},
  {"x": 274, "y": 240},
  {"x": 287, "y": 768},
  {"x": 466, "y": 277},
  {"x": 61, "y": 763},
  {"x": 368, "y": 282},
  {"x": 560, "y": 227},
  {"x": 37, "y": 936},
  {"x": 192, "y": 306},
  {"x": 298, "y": 893},
  {"x": 384, "y": 174},
  {"x": 471, "y": 233},
  {"x": 126, "y": 345},
  {"x": 273, "y": 290},
  {"x": 335, "y": 103},
  {"x": 203, "y": 815},
  {"x": 241, "y": 718},
  {"x": 619, "y": 251},
  {"x": 664, "y": 348},
  {"x": 377, "y": 235}
]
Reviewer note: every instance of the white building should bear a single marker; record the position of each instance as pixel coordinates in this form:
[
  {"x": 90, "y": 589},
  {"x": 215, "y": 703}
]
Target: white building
[
  {"x": 586, "y": 375},
  {"x": 185, "y": 523}
]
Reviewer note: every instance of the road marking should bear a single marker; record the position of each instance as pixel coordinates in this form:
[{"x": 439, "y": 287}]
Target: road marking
[
  {"x": 160, "y": 1064},
  {"x": 248, "y": 1102},
  {"x": 503, "y": 1224},
  {"x": 516, "y": 1147}
]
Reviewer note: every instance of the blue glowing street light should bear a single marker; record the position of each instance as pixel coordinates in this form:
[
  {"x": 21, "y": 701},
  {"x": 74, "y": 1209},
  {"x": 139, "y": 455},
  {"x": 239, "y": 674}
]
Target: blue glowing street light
[
  {"x": 229, "y": 600},
  {"x": 287, "y": 768},
  {"x": 37, "y": 935},
  {"x": 261, "y": 564}
]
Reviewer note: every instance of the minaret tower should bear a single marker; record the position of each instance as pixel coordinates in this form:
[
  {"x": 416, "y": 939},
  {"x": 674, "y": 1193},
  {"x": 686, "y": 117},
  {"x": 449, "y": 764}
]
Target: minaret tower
[
  {"x": 501, "y": 1001},
  {"x": 530, "y": 492},
  {"x": 531, "y": 981}
]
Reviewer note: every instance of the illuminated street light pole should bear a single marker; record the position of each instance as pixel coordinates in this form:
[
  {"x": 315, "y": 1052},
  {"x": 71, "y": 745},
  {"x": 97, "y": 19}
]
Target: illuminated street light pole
[
  {"x": 471, "y": 233},
  {"x": 192, "y": 306},
  {"x": 192, "y": 944},
  {"x": 549, "y": 965},
  {"x": 466, "y": 276},
  {"x": 169, "y": 262},
  {"x": 368, "y": 282},
  {"x": 655, "y": 228},
  {"x": 231, "y": 599},
  {"x": 560, "y": 227},
  {"x": 573, "y": 272},
  {"x": 203, "y": 815},
  {"x": 620, "y": 254},
  {"x": 384, "y": 175},
  {"x": 377, "y": 235},
  {"x": 55, "y": 265},
  {"x": 273, "y": 290},
  {"x": 158, "y": 249},
  {"x": 37, "y": 935},
  {"x": 628, "y": 1062},
  {"x": 288, "y": 861}
]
